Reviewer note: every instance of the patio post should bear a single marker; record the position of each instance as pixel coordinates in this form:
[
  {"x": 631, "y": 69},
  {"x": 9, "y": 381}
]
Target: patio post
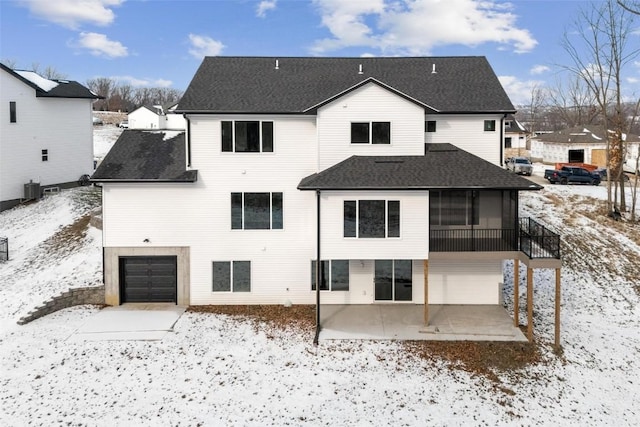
[
  {"x": 516, "y": 292},
  {"x": 530, "y": 304},
  {"x": 318, "y": 270},
  {"x": 426, "y": 292},
  {"x": 557, "y": 325}
]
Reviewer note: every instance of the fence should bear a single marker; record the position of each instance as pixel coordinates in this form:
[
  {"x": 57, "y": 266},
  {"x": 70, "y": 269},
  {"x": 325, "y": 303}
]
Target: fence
[{"x": 4, "y": 249}]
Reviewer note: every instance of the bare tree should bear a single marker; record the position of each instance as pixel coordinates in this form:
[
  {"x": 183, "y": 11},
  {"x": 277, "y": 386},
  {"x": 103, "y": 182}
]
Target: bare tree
[
  {"x": 599, "y": 55},
  {"x": 49, "y": 72},
  {"x": 573, "y": 102},
  {"x": 630, "y": 6},
  {"x": 11, "y": 63},
  {"x": 103, "y": 86}
]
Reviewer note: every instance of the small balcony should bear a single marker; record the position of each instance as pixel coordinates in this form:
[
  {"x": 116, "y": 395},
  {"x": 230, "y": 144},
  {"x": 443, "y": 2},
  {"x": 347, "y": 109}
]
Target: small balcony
[{"x": 532, "y": 238}]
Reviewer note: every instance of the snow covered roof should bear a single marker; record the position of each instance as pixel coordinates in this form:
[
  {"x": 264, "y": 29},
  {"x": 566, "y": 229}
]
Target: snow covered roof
[{"x": 46, "y": 88}]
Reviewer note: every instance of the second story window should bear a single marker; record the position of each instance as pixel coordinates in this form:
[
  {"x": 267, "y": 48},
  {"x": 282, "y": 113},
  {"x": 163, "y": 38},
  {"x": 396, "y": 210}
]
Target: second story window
[
  {"x": 430, "y": 126},
  {"x": 45, "y": 155},
  {"x": 12, "y": 112},
  {"x": 371, "y": 218},
  {"x": 371, "y": 133},
  {"x": 247, "y": 136},
  {"x": 490, "y": 125},
  {"x": 256, "y": 211}
]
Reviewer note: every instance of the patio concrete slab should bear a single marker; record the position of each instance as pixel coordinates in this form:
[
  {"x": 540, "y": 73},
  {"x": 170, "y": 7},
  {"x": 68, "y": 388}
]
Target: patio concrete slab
[
  {"x": 406, "y": 322},
  {"x": 136, "y": 322}
]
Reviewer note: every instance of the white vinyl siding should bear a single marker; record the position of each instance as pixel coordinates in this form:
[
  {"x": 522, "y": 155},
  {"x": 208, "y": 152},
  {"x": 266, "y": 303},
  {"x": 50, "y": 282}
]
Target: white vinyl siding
[
  {"x": 60, "y": 125},
  {"x": 369, "y": 103},
  {"x": 467, "y": 132},
  {"x": 464, "y": 282},
  {"x": 414, "y": 227}
]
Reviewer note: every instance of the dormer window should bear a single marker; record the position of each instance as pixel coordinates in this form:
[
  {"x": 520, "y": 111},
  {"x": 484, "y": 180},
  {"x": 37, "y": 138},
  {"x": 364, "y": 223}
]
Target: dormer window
[
  {"x": 371, "y": 133},
  {"x": 247, "y": 136}
]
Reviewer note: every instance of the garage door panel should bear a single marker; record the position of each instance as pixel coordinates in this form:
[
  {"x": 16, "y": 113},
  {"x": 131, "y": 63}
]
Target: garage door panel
[{"x": 148, "y": 279}]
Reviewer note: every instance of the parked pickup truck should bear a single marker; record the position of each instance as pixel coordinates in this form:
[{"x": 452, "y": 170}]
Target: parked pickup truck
[
  {"x": 572, "y": 175},
  {"x": 520, "y": 165}
]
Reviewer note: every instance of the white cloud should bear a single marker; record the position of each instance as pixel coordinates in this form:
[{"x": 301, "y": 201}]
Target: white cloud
[
  {"x": 146, "y": 82},
  {"x": 539, "y": 69},
  {"x": 100, "y": 45},
  {"x": 519, "y": 91},
  {"x": 417, "y": 26},
  {"x": 264, "y": 6},
  {"x": 202, "y": 46},
  {"x": 73, "y": 13},
  {"x": 633, "y": 80}
]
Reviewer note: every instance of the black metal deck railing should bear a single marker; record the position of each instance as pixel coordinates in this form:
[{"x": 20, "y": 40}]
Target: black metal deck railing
[
  {"x": 537, "y": 241},
  {"x": 531, "y": 237}
]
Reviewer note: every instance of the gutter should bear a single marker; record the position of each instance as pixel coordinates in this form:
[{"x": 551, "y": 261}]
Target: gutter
[
  {"x": 318, "y": 270},
  {"x": 188, "y": 140},
  {"x": 502, "y": 139}
]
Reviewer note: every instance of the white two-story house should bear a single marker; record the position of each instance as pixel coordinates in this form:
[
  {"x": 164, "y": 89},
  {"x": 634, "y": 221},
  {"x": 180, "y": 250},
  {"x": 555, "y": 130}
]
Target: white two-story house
[
  {"x": 386, "y": 170},
  {"x": 46, "y": 134}
]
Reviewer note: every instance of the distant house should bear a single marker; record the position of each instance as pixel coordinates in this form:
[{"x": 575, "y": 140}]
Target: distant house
[
  {"x": 515, "y": 137},
  {"x": 152, "y": 117},
  {"x": 577, "y": 145},
  {"x": 46, "y": 136}
]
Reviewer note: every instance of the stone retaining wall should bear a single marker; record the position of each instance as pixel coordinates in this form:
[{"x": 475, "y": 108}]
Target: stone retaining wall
[{"x": 70, "y": 298}]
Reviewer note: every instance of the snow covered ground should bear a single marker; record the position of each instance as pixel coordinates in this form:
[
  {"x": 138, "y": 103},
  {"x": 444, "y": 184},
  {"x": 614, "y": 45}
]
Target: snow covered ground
[{"x": 217, "y": 370}]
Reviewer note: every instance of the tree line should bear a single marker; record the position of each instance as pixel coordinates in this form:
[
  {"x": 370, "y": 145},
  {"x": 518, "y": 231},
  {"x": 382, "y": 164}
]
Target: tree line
[
  {"x": 117, "y": 96},
  {"x": 124, "y": 97},
  {"x": 600, "y": 48}
]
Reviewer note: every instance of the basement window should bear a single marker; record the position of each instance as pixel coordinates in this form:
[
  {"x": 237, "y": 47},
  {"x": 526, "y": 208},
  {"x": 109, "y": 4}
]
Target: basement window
[
  {"x": 231, "y": 276},
  {"x": 334, "y": 274}
]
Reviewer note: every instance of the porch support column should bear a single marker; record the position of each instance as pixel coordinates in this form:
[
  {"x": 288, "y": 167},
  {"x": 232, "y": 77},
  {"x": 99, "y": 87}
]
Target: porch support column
[
  {"x": 557, "y": 325},
  {"x": 530, "y": 304},
  {"x": 426, "y": 292},
  {"x": 516, "y": 292},
  {"x": 318, "y": 269}
]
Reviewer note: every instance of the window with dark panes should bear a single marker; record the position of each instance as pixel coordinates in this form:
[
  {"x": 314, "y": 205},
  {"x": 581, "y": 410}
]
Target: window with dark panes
[
  {"x": 256, "y": 211},
  {"x": 45, "y": 155},
  {"x": 231, "y": 276},
  {"x": 454, "y": 207},
  {"x": 12, "y": 112},
  {"x": 371, "y": 218},
  {"x": 247, "y": 136},
  {"x": 350, "y": 218},
  {"x": 360, "y": 133},
  {"x": 324, "y": 275},
  {"x": 335, "y": 275},
  {"x": 430, "y": 126},
  {"x": 490, "y": 125},
  {"x": 381, "y": 133}
]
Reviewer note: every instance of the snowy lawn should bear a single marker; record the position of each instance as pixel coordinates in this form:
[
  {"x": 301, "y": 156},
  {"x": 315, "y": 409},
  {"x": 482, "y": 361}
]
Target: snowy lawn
[{"x": 222, "y": 370}]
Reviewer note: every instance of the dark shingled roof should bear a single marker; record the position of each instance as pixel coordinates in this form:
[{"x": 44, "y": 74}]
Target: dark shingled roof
[
  {"x": 444, "y": 166},
  {"x": 146, "y": 156},
  {"x": 582, "y": 134},
  {"x": 64, "y": 89},
  {"x": 299, "y": 85}
]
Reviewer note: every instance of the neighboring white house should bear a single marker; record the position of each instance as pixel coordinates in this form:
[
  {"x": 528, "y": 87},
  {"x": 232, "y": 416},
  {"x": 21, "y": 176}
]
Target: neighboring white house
[
  {"x": 359, "y": 162},
  {"x": 46, "y": 135},
  {"x": 156, "y": 117},
  {"x": 577, "y": 145},
  {"x": 515, "y": 137}
]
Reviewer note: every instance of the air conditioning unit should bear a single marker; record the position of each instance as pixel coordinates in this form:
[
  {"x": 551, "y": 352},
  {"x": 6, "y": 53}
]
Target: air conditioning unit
[{"x": 32, "y": 191}]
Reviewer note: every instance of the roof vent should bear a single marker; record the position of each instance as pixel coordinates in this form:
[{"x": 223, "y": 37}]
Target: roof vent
[
  {"x": 360, "y": 69},
  {"x": 277, "y": 64},
  {"x": 433, "y": 70}
]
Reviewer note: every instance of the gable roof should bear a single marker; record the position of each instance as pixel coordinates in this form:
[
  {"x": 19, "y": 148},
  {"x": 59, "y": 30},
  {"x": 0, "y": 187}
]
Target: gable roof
[
  {"x": 299, "y": 85},
  {"x": 443, "y": 166},
  {"x": 582, "y": 135},
  {"x": 48, "y": 88},
  {"x": 146, "y": 156},
  {"x": 516, "y": 126}
]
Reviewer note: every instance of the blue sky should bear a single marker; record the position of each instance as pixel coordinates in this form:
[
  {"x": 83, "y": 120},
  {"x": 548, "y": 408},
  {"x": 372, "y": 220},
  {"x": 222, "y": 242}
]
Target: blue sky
[{"x": 162, "y": 42}]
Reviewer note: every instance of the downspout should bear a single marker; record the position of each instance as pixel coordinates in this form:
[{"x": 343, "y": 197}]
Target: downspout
[
  {"x": 188, "y": 140},
  {"x": 502, "y": 139},
  {"x": 318, "y": 270}
]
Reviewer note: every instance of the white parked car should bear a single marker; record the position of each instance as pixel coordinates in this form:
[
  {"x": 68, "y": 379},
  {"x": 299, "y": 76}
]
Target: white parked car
[
  {"x": 520, "y": 165},
  {"x": 124, "y": 124}
]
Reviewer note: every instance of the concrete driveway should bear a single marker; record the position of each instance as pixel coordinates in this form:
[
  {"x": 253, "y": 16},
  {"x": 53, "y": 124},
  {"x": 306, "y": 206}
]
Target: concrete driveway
[{"x": 134, "y": 322}]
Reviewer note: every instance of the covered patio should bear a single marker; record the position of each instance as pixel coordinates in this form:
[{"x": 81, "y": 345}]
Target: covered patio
[{"x": 406, "y": 322}]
